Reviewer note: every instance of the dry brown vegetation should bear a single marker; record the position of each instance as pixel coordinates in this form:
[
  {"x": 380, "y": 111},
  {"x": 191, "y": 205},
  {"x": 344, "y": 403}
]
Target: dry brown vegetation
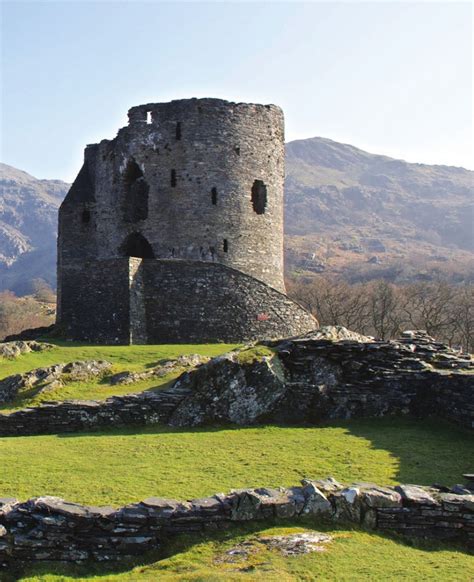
[
  {"x": 384, "y": 310},
  {"x": 19, "y": 313}
]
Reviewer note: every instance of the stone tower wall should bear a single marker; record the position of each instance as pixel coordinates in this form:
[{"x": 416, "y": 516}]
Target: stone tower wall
[
  {"x": 207, "y": 177},
  {"x": 173, "y": 231}
]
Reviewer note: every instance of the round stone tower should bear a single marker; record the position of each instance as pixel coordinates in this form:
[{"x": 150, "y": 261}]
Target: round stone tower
[
  {"x": 198, "y": 179},
  {"x": 195, "y": 180}
]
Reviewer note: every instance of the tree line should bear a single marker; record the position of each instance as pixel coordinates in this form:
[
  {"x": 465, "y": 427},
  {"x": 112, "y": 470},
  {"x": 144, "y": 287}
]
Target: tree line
[{"x": 383, "y": 310}]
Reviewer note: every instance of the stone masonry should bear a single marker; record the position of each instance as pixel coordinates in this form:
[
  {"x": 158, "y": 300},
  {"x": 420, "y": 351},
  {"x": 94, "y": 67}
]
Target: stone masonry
[
  {"x": 173, "y": 231},
  {"x": 49, "y": 528}
]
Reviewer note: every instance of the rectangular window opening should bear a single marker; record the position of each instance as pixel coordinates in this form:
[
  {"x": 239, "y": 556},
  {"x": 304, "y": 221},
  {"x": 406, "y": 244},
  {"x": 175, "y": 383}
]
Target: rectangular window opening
[
  {"x": 178, "y": 130},
  {"x": 225, "y": 245},
  {"x": 148, "y": 117},
  {"x": 214, "y": 196}
]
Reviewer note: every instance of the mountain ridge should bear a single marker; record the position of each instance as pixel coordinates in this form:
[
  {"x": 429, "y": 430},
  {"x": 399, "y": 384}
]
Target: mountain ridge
[{"x": 348, "y": 213}]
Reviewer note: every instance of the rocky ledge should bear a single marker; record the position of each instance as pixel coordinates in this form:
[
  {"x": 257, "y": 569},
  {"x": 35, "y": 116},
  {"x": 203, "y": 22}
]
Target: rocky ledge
[
  {"x": 49, "y": 528},
  {"x": 300, "y": 380},
  {"x": 51, "y": 377},
  {"x": 14, "y": 349}
]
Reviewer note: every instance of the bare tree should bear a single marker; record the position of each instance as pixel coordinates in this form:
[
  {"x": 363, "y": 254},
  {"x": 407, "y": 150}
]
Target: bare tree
[
  {"x": 386, "y": 317},
  {"x": 384, "y": 309}
]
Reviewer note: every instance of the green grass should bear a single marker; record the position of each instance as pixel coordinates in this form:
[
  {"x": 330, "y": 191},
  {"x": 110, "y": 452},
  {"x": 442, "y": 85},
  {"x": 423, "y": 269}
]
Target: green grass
[
  {"x": 352, "y": 556},
  {"x": 134, "y": 358},
  {"x": 254, "y": 353},
  {"x": 121, "y": 466}
]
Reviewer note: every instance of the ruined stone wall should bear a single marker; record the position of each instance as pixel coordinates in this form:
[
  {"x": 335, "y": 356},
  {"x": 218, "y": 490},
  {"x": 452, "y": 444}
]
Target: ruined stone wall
[
  {"x": 162, "y": 301},
  {"x": 203, "y": 180},
  {"x": 48, "y": 528},
  {"x": 309, "y": 381}
]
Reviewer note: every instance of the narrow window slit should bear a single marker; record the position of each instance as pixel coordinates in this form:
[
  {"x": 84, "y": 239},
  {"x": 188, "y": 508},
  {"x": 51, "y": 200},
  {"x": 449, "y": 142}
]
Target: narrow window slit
[
  {"x": 173, "y": 178},
  {"x": 259, "y": 196},
  {"x": 214, "y": 196},
  {"x": 225, "y": 245},
  {"x": 148, "y": 117},
  {"x": 178, "y": 130}
]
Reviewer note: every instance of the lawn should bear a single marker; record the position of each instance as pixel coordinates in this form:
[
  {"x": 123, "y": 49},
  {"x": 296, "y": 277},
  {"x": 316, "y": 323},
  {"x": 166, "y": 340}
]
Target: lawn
[
  {"x": 124, "y": 465},
  {"x": 120, "y": 466},
  {"x": 133, "y": 358}
]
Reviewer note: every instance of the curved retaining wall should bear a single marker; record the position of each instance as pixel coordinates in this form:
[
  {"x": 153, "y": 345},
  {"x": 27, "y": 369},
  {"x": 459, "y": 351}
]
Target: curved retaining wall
[
  {"x": 205, "y": 302},
  {"x": 48, "y": 528}
]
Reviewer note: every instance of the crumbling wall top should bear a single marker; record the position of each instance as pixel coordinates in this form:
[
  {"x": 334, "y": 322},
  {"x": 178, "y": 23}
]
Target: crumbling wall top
[{"x": 145, "y": 113}]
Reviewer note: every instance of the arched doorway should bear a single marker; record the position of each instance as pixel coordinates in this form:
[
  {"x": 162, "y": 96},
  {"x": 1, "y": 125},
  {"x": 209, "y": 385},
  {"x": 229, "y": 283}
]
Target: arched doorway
[{"x": 136, "y": 245}]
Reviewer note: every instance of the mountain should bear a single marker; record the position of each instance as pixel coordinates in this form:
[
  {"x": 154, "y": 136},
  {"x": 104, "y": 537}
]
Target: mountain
[
  {"x": 363, "y": 215},
  {"x": 347, "y": 212},
  {"x": 28, "y": 228}
]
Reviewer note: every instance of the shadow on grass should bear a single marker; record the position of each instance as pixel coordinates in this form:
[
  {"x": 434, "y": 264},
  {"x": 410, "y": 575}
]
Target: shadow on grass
[{"x": 424, "y": 448}]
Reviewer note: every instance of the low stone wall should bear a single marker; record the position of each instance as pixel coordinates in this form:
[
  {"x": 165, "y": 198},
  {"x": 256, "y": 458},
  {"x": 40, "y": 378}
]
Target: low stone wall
[
  {"x": 413, "y": 375},
  {"x": 48, "y": 528},
  {"x": 307, "y": 380},
  {"x": 77, "y": 415}
]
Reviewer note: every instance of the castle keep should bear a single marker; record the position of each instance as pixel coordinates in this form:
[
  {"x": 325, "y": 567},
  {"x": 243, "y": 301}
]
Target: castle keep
[{"x": 173, "y": 231}]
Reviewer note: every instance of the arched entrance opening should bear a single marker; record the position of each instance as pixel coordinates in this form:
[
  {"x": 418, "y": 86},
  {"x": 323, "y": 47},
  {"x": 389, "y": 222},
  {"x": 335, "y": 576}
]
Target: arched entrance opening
[{"x": 136, "y": 245}]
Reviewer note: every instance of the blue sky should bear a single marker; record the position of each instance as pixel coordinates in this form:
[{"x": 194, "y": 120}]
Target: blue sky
[{"x": 389, "y": 77}]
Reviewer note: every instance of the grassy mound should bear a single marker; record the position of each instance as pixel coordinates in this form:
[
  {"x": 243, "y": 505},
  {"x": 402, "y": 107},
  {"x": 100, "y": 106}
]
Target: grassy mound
[
  {"x": 132, "y": 358},
  {"x": 121, "y": 466}
]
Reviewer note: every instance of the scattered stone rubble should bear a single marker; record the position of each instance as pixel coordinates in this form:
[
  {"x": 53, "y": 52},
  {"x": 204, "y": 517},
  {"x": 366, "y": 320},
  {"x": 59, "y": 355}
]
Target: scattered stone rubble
[
  {"x": 48, "y": 528},
  {"x": 45, "y": 379},
  {"x": 307, "y": 380},
  {"x": 163, "y": 369},
  {"x": 295, "y": 544},
  {"x": 336, "y": 333},
  {"x": 14, "y": 349},
  {"x": 287, "y": 545}
]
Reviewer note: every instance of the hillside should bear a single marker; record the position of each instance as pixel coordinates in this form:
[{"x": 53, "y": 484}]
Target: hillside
[
  {"x": 364, "y": 215},
  {"x": 347, "y": 212},
  {"x": 28, "y": 209}
]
